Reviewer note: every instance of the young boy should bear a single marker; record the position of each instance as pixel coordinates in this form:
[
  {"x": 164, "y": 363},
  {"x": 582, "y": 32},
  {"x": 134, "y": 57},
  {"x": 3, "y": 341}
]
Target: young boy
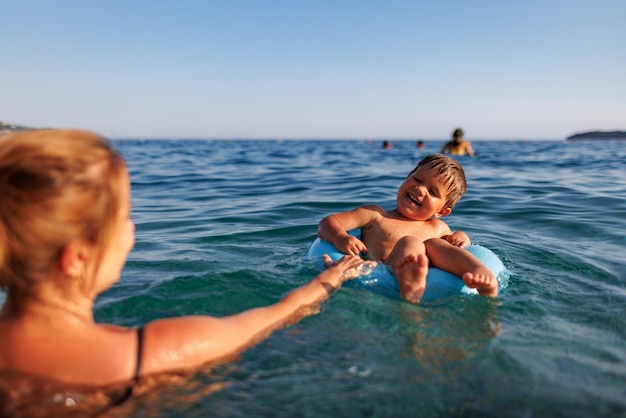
[{"x": 410, "y": 236}]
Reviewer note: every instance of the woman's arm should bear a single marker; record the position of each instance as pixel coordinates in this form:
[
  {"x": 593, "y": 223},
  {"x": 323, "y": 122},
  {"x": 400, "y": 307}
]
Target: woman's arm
[{"x": 191, "y": 341}]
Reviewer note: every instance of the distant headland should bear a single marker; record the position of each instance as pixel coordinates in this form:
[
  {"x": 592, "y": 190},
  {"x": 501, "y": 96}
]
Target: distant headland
[
  {"x": 6, "y": 127},
  {"x": 598, "y": 135}
]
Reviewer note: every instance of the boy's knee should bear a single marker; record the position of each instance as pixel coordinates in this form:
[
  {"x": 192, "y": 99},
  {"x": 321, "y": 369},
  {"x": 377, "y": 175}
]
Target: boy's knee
[{"x": 412, "y": 243}]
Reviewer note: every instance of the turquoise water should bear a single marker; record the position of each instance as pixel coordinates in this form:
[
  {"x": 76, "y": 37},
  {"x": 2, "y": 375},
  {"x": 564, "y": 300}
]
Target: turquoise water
[{"x": 223, "y": 226}]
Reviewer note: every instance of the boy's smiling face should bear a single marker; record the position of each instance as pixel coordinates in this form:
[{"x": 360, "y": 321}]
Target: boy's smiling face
[{"x": 423, "y": 195}]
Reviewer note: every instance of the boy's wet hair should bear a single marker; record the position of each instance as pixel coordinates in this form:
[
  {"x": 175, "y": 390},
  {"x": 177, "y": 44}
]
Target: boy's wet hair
[{"x": 451, "y": 172}]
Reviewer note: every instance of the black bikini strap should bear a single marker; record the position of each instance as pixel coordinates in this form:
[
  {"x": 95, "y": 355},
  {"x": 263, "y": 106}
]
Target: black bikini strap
[
  {"x": 128, "y": 393},
  {"x": 139, "y": 352}
]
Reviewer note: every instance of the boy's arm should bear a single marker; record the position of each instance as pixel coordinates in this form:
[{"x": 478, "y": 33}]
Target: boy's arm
[
  {"x": 334, "y": 229},
  {"x": 458, "y": 238}
]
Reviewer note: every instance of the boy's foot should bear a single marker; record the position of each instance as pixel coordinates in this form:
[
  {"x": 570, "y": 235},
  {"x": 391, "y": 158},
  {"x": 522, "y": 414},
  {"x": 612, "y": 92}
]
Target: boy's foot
[
  {"x": 411, "y": 273},
  {"x": 483, "y": 281}
]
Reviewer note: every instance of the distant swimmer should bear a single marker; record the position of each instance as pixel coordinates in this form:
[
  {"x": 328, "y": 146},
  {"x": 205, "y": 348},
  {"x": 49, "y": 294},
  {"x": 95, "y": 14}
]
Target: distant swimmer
[
  {"x": 458, "y": 146},
  {"x": 387, "y": 145}
]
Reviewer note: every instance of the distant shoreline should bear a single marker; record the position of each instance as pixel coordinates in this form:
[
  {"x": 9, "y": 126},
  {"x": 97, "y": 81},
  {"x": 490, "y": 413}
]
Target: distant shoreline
[{"x": 7, "y": 127}]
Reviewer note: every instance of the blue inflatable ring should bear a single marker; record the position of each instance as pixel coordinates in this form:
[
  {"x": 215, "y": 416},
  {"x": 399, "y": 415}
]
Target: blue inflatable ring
[{"x": 381, "y": 280}]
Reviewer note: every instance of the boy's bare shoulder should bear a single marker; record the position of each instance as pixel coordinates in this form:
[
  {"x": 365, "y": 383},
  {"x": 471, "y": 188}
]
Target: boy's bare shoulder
[
  {"x": 372, "y": 208},
  {"x": 363, "y": 215},
  {"x": 439, "y": 227}
]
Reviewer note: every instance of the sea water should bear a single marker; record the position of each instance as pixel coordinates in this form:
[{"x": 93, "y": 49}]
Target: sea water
[{"x": 222, "y": 226}]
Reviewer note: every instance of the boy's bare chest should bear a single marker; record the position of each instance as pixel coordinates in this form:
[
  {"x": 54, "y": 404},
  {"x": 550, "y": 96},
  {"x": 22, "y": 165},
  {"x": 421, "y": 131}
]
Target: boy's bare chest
[{"x": 381, "y": 236}]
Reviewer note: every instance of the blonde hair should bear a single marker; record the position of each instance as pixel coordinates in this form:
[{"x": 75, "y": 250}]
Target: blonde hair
[
  {"x": 57, "y": 186},
  {"x": 452, "y": 173}
]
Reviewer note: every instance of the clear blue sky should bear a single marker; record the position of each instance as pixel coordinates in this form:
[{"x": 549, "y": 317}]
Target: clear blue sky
[{"x": 537, "y": 69}]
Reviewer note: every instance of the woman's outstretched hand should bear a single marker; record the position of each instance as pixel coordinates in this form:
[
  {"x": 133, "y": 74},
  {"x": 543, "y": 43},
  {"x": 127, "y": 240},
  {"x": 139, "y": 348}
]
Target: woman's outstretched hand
[{"x": 349, "y": 265}]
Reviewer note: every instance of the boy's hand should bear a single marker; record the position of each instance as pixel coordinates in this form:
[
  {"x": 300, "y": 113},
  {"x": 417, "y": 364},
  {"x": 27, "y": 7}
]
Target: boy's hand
[
  {"x": 348, "y": 244},
  {"x": 458, "y": 239}
]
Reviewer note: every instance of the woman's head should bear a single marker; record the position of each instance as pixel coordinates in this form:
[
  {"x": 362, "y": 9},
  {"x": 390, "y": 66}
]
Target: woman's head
[
  {"x": 450, "y": 171},
  {"x": 58, "y": 187},
  {"x": 457, "y": 135}
]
